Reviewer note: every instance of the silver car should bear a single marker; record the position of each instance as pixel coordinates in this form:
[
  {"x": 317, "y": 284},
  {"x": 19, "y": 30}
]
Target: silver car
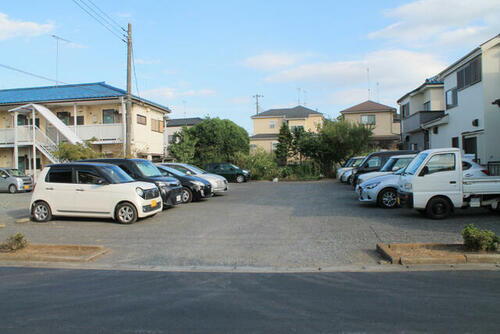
[
  {"x": 13, "y": 181},
  {"x": 382, "y": 190},
  {"x": 219, "y": 183},
  {"x": 392, "y": 165},
  {"x": 343, "y": 173}
]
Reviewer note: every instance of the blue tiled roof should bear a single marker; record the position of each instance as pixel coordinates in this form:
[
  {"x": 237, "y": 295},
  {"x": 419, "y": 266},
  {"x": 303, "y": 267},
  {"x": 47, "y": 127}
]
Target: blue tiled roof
[{"x": 97, "y": 90}]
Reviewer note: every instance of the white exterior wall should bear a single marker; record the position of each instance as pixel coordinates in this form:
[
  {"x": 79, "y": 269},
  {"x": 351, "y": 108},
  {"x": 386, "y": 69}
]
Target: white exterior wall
[{"x": 491, "y": 77}]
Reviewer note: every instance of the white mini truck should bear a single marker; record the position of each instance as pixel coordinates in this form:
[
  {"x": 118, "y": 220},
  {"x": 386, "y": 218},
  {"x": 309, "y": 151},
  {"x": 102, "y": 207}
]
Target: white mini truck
[
  {"x": 92, "y": 190},
  {"x": 434, "y": 184}
]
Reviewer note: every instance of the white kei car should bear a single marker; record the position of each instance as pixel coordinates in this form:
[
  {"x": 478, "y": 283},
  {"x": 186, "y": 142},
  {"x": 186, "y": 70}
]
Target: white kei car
[{"x": 92, "y": 190}]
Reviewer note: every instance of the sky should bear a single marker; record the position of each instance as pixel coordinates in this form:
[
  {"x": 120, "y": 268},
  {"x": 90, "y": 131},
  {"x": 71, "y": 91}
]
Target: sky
[{"x": 208, "y": 58}]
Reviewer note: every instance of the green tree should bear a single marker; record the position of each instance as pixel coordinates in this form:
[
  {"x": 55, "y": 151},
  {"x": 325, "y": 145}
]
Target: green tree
[
  {"x": 297, "y": 134},
  {"x": 283, "y": 149},
  {"x": 218, "y": 140},
  {"x": 260, "y": 163},
  {"x": 336, "y": 141},
  {"x": 184, "y": 146},
  {"x": 72, "y": 152}
]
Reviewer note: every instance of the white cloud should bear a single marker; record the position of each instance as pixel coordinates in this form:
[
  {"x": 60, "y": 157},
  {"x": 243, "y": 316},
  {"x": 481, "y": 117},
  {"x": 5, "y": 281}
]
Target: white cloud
[
  {"x": 10, "y": 28},
  {"x": 424, "y": 23},
  {"x": 169, "y": 93},
  {"x": 269, "y": 61},
  {"x": 400, "y": 69}
]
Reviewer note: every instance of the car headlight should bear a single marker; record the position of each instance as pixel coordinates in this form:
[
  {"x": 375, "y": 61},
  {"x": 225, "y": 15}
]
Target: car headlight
[
  {"x": 245, "y": 171},
  {"x": 407, "y": 186},
  {"x": 198, "y": 184},
  {"x": 139, "y": 192},
  {"x": 372, "y": 185}
]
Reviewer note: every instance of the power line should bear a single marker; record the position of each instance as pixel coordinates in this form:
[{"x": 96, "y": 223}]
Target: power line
[
  {"x": 135, "y": 75},
  {"x": 121, "y": 37},
  {"x": 109, "y": 17}
]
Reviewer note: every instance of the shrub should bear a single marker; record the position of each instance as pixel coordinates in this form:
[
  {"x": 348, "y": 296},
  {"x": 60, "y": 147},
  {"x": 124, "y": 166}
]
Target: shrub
[
  {"x": 14, "y": 242},
  {"x": 307, "y": 170},
  {"x": 476, "y": 239},
  {"x": 261, "y": 164}
]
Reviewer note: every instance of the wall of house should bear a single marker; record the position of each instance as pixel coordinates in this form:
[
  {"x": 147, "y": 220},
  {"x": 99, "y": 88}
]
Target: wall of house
[
  {"x": 491, "y": 79},
  {"x": 436, "y": 96},
  {"x": 145, "y": 141},
  {"x": 267, "y": 145},
  {"x": 261, "y": 125},
  {"x": 384, "y": 125}
]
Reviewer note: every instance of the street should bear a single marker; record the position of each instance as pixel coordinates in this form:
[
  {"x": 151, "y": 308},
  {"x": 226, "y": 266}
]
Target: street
[
  {"x": 285, "y": 225},
  {"x": 88, "y": 301}
]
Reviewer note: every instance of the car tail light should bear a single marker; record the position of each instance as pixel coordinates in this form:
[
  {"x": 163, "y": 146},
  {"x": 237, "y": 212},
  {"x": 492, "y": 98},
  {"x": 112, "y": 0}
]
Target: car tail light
[{"x": 485, "y": 171}]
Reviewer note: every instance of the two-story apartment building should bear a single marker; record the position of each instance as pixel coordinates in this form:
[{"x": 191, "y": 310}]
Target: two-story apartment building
[
  {"x": 421, "y": 105},
  {"x": 383, "y": 120},
  {"x": 77, "y": 113},
  {"x": 472, "y": 119},
  {"x": 174, "y": 126},
  {"x": 267, "y": 124}
]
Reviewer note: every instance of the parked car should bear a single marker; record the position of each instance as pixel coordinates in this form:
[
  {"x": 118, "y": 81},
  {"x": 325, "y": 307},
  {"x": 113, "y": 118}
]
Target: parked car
[
  {"x": 13, "y": 181},
  {"x": 144, "y": 170},
  {"x": 434, "y": 184},
  {"x": 219, "y": 183},
  {"x": 382, "y": 190},
  {"x": 350, "y": 164},
  {"x": 92, "y": 190},
  {"x": 229, "y": 171},
  {"x": 374, "y": 162},
  {"x": 193, "y": 188},
  {"x": 392, "y": 165}
]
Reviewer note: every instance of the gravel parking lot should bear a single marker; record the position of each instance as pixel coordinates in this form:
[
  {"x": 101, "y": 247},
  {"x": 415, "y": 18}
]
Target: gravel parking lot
[{"x": 257, "y": 224}]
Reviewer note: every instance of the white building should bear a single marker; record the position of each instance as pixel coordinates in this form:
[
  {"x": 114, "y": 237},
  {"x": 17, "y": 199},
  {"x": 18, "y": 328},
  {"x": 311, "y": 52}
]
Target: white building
[{"x": 472, "y": 118}]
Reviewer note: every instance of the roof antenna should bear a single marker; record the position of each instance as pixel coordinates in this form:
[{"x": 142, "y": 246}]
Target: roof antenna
[
  {"x": 378, "y": 92},
  {"x": 257, "y": 106},
  {"x": 305, "y": 97},
  {"x": 298, "y": 95},
  {"x": 57, "y": 38},
  {"x": 368, "y": 77}
]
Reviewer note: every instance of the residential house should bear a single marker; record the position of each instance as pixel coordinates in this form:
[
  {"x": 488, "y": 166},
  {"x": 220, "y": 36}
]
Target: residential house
[
  {"x": 472, "y": 119},
  {"x": 383, "y": 120},
  {"x": 174, "y": 126},
  {"x": 77, "y": 113},
  {"x": 267, "y": 124},
  {"x": 423, "y": 104}
]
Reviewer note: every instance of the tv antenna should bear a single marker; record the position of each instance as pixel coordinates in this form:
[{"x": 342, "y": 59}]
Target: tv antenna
[
  {"x": 257, "y": 106},
  {"x": 58, "y": 39}
]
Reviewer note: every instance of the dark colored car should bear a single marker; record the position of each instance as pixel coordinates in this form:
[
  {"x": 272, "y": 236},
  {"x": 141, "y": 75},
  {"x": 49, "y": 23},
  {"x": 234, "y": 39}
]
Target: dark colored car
[
  {"x": 374, "y": 162},
  {"x": 229, "y": 171},
  {"x": 193, "y": 188},
  {"x": 144, "y": 170}
]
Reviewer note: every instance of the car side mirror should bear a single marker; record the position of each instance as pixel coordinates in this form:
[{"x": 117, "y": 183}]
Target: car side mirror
[
  {"x": 424, "y": 171},
  {"x": 395, "y": 169},
  {"x": 101, "y": 182}
]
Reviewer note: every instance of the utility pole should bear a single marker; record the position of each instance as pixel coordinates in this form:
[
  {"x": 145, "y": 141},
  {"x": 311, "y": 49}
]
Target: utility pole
[
  {"x": 128, "y": 139},
  {"x": 257, "y": 107}
]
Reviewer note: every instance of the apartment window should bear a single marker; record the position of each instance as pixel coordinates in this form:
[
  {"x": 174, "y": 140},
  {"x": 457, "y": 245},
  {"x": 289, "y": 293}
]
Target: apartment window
[
  {"x": 451, "y": 98},
  {"x": 427, "y": 106},
  {"x": 405, "y": 109},
  {"x": 414, "y": 147},
  {"x": 157, "y": 125},
  {"x": 110, "y": 116},
  {"x": 296, "y": 127},
  {"x": 64, "y": 116},
  {"x": 469, "y": 74},
  {"x": 368, "y": 119},
  {"x": 454, "y": 142},
  {"x": 141, "y": 120},
  {"x": 272, "y": 124},
  {"x": 435, "y": 130}
]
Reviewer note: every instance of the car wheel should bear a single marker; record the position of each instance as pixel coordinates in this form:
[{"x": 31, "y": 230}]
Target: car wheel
[
  {"x": 41, "y": 212},
  {"x": 126, "y": 213},
  {"x": 349, "y": 180},
  {"x": 438, "y": 208},
  {"x": 240, "y": 179},
  {"x": 12, "y": 189},
  {"x": 186, "y": 195},
  {"x": 388, "y": 199}
]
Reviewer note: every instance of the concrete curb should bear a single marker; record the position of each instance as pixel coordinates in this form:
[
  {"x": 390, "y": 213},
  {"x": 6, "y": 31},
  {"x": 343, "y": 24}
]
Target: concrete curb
[
  {"x": 389, "y": 252},
  {"x": 53, "y": 253}
]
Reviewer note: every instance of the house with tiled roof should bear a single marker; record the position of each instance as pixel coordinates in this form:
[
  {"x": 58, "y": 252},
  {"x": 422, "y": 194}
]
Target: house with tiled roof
[
  {"x": 267, "y": 124},
  {"x": 34, "y": 120},
  {"x": 417, "y": 107},
  {"x": 382, "y": 119}
]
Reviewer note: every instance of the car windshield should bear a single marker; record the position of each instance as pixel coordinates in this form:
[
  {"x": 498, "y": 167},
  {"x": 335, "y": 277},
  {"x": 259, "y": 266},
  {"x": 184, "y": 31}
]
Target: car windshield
[
  {"x": 415, "y": 163},
  {"x": 388, "y": 165},
  {"x": 148, "y": 169},
  {"x": 197, "y": 170},
  {"x": 116, "y": 175},
  {"x": 235, "y": 167},
  {"x": 349, "y": 163},
  {"x": 357, "y": 162},
  {"x": 15, "y": 172},
  {"x": 174, "y": 171}
]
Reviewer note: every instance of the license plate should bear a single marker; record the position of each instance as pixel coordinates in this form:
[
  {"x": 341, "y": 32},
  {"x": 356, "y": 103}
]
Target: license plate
[
  {"x": 26, "y": 187},
  {"x": 154, "y": 203},
  {"x": 178, "y": 198}
]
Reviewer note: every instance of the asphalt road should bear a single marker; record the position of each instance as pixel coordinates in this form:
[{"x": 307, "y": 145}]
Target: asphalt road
[
  {"x": 86, "y": 301},
  {"x": 258, "y": 224}
]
